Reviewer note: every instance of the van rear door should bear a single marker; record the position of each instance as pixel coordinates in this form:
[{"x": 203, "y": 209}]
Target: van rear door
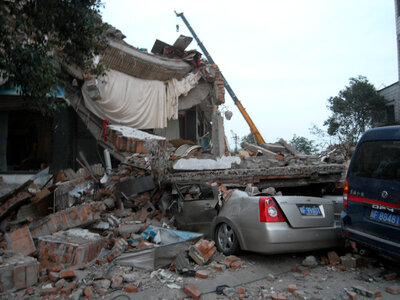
[{"x": 374, "y": 189}]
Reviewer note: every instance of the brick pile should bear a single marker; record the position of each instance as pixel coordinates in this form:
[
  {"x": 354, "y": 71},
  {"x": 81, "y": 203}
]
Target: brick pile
[
  {"x": 72, "y": 247},
  {"x": 17, "y": 271},
  {"x": 129, "y": 144},
  {"x": 202, "y": 251}
]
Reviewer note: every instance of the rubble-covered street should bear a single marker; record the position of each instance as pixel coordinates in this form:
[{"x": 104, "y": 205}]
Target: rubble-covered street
[
  {"x": 130, "y": 189},
  {"x": 98, "y": 235}
]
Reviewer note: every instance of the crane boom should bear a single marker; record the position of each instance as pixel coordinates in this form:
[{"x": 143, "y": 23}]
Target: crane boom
[{"x": 253, "y": 128}]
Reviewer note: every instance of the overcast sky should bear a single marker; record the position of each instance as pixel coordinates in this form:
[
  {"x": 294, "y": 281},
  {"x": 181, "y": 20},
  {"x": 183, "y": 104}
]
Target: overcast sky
[{"x": 282, "y": 58}]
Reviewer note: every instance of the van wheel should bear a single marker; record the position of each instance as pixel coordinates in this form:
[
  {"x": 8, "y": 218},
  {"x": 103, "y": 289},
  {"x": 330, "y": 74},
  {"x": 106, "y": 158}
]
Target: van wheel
[{"x": 226, "y": 239}]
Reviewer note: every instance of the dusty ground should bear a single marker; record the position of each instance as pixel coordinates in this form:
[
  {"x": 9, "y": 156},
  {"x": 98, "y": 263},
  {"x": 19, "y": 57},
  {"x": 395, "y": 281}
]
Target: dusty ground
[
  {"x": 260, "y": 277},
  {"x": 264, "y": 276}
]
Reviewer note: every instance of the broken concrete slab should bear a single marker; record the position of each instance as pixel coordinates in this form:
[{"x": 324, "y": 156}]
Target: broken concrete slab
[
  {"x": 277, "y": 148},
  {"x": 224, "y": 162},
  {"x": 265, "y": 152},
  {"x": 289, "y": 147},
  {"x": 291, "y": 176}
]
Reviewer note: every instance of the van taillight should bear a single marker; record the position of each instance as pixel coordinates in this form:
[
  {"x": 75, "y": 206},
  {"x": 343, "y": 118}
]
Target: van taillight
[
  {"x": 345, "y": 195},
  {"x": 269, "y": 210}
]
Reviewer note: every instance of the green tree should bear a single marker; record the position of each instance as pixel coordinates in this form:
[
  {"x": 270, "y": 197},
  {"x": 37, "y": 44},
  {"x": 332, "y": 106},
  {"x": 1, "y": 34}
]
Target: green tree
[
  {"x": 250, "y": 138},
  {"x": 357, "y": 107},
  {"x": 36, "y": 34},
  {"x": 303, "y": 144}
]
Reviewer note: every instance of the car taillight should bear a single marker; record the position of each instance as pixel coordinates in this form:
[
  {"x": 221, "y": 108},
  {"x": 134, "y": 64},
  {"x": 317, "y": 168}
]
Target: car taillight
[
  {"x": 345, "y": 195},
  {"x": 269, "y": 210}
]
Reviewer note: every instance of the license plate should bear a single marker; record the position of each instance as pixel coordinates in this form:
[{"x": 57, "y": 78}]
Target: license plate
[
  {"x": 309, "y": 210},
  {"x": 385, "y": 217}
]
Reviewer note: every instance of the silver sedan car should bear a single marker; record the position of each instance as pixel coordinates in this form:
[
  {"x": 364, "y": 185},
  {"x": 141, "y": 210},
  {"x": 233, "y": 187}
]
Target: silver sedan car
[{"x": 276, "y": 224}]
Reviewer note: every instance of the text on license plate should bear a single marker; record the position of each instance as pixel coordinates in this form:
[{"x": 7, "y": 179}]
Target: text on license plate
[
  {"x": 309, "y": 210},
  {"x": 385, "y": 217}
]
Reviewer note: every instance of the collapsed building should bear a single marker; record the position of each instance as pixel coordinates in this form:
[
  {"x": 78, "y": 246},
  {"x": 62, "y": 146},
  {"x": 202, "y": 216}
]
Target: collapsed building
[{"x": 157, "y": 116}]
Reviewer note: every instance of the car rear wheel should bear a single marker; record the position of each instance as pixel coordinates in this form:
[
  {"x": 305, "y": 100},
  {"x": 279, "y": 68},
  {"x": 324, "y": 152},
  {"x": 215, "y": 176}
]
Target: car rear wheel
[{"x": 226, "y": 239}]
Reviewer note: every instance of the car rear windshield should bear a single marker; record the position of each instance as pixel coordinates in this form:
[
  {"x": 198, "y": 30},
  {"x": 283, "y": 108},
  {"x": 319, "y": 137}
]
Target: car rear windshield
[{"x": 378, "y": 159}]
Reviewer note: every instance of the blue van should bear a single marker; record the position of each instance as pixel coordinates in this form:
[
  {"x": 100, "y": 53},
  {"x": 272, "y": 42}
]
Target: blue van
[{"x": 371, "y": 199}]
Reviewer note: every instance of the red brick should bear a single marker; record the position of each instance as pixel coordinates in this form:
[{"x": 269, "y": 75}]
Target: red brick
[
  {"x": 226, "y": 195},
  {"x": 88, "y": 292},
  {"x": 236, "y": 264},
  {"x": 291, "y": 288},
  {"x": 351, "y": 295},
  {"x": 130, "y": 288},
  {"x": 43, "y": 279},
  {"x": 208, "y": 247},
  {"x": 192, "y": 291},
  {"x": 202, "y": 246},
  {"x": 394, "y": 290},
  {"x": 48, "y": 292},
  {"x": 333, "y": 258},
  {"x": 240, "y": 290},
  {"x": 67, "y": 274},
  {"x": 377, "y": 294},
  {"x": 202, "y": 274},
  {"x": 106, "y": 192},
  {"x": 302, "y": 270},
  {"x": 210, "y": 253},
  {"x": 230, "y": 259},
  {"x": 73, "y": 213},
  {"x": 84, "y": 214},
  {"x": 219, "y": 267}
]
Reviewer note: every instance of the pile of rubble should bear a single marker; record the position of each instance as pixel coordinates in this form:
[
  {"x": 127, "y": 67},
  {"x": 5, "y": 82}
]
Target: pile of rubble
[
  {"x": 276, "y": 165},
  {"x": 85, "y": 235}
]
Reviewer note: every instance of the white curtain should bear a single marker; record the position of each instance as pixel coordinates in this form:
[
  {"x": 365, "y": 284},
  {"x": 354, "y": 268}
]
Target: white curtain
[{"x": 139, "y": 103}]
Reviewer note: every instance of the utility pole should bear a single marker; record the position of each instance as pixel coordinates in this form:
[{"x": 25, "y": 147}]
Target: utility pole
[{"x": 235, "y": 138}]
